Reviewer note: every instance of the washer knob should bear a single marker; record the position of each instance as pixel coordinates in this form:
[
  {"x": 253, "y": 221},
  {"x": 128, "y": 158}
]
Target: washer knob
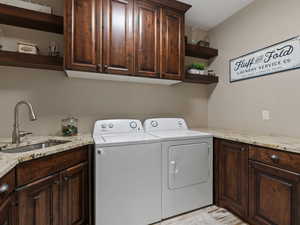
[
  {"x": 103, "y": 126},
  {"x": 154, "y": 123},
  {"x": 133, "y": 124},
  {"x": 110, "y": 125}
]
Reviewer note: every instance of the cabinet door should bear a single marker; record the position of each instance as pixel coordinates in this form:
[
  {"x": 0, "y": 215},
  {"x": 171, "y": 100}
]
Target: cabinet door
[
  {"x": 274, "y": 196},
  {"x": 233, "y": 177},
  {"x": 118, "y": 36},
  {"x": 147, "y": 36},
  {"x": 172, "y": 62},
  {"x": 75, "y": 195},
  {"x": 7, "y": 211},
  {"x": 80, "y": 35},
  {"x": 39, "y": 202}
]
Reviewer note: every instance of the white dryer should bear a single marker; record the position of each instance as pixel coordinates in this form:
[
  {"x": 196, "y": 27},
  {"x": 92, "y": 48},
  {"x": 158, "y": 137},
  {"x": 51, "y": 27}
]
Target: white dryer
[
  {"x": 187, "y": 165},
  {"x": 127, "y": 174}
]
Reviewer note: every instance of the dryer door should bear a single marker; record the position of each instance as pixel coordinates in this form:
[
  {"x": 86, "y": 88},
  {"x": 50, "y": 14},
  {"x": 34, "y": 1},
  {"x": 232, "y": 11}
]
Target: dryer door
[{"x": 189, "y": 164}]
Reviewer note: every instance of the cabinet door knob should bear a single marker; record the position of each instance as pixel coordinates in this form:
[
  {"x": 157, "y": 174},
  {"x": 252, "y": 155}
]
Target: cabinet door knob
[
  {"x": 66, "y": 178},
  {"x": 243, "y": 149},
  {"x": 56, "y": 182},
  {"x": 275, "y": 158},
  {"x": 37, "y": 197},
  {"x": 4, "y": 188}
]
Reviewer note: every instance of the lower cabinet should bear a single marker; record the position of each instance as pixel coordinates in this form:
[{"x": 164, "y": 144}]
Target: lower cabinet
[
  {"x": 60, "y": 199},
  {"x": 39, "y": 202},
  {"x": 7, "y": 212},
  {"x": 59, "y": 192},
  {"x": 75, "y": 195},
  {"x": 233, "y": 177},
  {"x": 260, "y": 185},
  {"x": 274, "y": 195}
]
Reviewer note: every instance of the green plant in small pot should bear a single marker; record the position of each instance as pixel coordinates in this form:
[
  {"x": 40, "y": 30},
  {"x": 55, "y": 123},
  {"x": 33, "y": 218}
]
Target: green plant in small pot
[{"x": 197, "y": 68}]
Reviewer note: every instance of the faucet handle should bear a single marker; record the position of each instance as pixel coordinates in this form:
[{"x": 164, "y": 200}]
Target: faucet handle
[{"x": 24, "y": 133}]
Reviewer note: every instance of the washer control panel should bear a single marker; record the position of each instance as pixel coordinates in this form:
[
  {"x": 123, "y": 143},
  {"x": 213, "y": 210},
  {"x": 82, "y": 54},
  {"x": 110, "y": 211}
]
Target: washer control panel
[
  {"x": 158, "y": 124},
  {"x": 154, "y": 123},
  {"x": 117, "y": 126}
]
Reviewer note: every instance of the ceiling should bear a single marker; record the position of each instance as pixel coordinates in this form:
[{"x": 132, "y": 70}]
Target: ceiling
[{"x": 206, "y": 14}]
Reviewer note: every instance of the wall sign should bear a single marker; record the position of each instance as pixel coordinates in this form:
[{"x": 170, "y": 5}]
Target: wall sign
[{"x": 276, "y": 58}]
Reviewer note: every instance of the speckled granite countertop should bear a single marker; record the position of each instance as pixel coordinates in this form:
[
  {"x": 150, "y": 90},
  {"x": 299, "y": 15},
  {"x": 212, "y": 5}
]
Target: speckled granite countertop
[
  {"x": 289, "y": 144},
  {"x": 9, "y": 160}
]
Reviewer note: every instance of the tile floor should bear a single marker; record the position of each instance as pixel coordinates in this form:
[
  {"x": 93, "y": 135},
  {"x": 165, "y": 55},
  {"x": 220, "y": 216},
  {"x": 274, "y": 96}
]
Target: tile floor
[{"x": 212, "y": 215}]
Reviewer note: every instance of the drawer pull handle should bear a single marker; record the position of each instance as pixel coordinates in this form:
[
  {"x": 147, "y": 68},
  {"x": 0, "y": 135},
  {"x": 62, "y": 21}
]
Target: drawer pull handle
[
  {"x": 4, "y": 188},
  {"x": 275, "y": 158}
]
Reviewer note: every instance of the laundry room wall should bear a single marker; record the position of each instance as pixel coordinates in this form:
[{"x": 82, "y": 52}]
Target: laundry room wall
[
  {"x": 239, "y": 105},
  {"x": 55, "y": 97}
]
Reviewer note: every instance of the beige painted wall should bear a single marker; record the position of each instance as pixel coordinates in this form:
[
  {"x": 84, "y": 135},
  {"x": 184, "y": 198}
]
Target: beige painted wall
[
  {"x": 195, "y": 34},
  {"x": 54, "y": 97},
  {"x": 239, "y": 105}
]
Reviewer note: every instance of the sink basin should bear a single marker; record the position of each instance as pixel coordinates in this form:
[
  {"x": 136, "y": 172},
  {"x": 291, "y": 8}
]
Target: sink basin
[{"x": 37, "y": 146}]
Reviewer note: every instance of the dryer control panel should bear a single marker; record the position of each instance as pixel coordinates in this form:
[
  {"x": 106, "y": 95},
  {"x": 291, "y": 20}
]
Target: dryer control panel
[{"x": 158, "y": 124}]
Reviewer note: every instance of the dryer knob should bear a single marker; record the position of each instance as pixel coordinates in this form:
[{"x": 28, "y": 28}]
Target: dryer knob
[
  {"x": 154, "y": 123},
  {"x": 133, "y": 125}
]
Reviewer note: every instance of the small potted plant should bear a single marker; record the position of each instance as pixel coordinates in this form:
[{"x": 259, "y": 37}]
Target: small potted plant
[{"x": 197, "y": 68}]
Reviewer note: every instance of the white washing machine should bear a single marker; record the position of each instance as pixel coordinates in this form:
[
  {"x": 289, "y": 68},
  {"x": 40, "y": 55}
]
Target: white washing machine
[
  {"x": 187, "y": 166},
  {"x": 127, "y": 174}
]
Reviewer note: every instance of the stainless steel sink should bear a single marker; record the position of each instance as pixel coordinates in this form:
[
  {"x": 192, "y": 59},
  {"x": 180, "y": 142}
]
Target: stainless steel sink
[{"x": 32, "y": 147}]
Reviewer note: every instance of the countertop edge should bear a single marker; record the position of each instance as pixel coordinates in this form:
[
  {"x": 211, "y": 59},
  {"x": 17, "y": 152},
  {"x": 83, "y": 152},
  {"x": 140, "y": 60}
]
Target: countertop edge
[
  {"x": 9, "y": 161},
  {"x": 281, "y": 143}
]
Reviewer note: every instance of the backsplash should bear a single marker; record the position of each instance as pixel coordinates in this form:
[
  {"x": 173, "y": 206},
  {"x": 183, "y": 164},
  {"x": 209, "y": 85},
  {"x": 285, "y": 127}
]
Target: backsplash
[{"x": 55, "y": 97}]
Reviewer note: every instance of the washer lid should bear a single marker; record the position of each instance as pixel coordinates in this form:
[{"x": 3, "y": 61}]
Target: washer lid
[
  {"x": 179, "y": 134},
  {"x": 125, "y": 139}
]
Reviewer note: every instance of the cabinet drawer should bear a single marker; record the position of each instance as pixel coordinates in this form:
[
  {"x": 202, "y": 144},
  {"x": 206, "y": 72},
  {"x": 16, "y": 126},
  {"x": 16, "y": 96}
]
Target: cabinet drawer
[
  {"x": 7, "y": 183},
  {"x": 35, "y": 169},
  {"x": 285, "y": 160}
]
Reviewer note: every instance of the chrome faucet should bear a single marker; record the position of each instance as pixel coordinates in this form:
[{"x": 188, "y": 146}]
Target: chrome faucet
[{"x": 17, "y": 134}]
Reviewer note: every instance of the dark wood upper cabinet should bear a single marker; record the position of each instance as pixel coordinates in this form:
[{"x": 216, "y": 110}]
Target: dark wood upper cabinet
[
  {"x": 274, "y": 195},
  {"x": 75, "y": 194},
  {"x": 39, "y": 202},
  {"x": 147, "y": 39},
  {"x": 233, "y": 177},
  {"x": 118, "y": 36},
  {"x": 126, "y": 37},
  {"x": 173, "y": 47},
  {"x": 81, "y": 35}
]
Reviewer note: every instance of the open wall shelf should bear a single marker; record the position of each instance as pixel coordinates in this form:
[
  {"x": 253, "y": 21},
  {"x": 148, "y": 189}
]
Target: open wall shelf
[
  {"x": 200, "y": 52},
  {"x": 31, "y": 61},
  {"x": 15, "y": 16},
  {"x": 200, "y": 79}
]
